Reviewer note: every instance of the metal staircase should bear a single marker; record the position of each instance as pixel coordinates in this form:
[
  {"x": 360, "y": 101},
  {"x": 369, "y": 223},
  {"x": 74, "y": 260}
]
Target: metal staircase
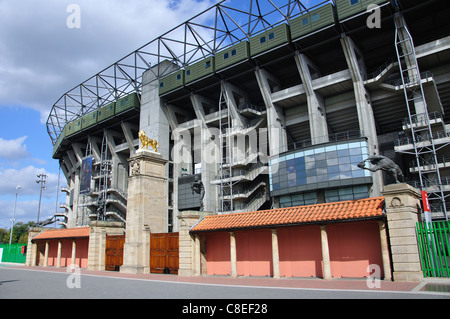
[
  {"x": 416, "y": 103},
  {"x": 105, "y": 169},
  {"x": 226, "y": 156}
]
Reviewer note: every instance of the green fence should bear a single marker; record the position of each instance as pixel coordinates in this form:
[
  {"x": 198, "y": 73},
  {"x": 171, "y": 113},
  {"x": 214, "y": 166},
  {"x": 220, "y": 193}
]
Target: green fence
[
  {"x": 434, "y": 247},
  {"x": 14, "y": 253}
]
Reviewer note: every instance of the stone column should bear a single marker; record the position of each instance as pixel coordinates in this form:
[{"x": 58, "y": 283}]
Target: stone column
[
  {"x": 402, "y": 206},
  {"x": 74, "y": 251},
  {"x": 385, "y": 251},
  {"x": 233, "y": 256},
  {"x": 325, "y": 253},
  {"x": 32, "y": 250},
  {"x": 97, "y": 242},
  {"x": 190, "y": 254},
  {"x": 58, "y": 258},
  {"x": 146, "y": 208},
  {"x": 275, "y": 255},
  {"x": 46, "y": 254},
  {"x": 197, "y": 256}
]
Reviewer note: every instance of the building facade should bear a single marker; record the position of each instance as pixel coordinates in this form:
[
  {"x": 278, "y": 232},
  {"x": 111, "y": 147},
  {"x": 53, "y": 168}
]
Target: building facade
[{"x": 275, "y": 112}]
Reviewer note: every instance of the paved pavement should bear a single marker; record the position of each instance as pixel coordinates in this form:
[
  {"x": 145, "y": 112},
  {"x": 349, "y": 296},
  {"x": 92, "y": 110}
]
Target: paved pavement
[{"x": 52, "y": 283}]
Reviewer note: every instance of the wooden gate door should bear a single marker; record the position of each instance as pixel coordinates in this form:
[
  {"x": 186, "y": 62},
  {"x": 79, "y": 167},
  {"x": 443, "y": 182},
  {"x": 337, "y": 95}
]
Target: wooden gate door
[
  {"x": 114, "y": 252},
  {"x": 164, "y": 253}
]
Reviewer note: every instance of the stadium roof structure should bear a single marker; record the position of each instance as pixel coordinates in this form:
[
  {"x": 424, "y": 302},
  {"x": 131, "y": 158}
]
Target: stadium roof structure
[{"x": 210, "y": 31}]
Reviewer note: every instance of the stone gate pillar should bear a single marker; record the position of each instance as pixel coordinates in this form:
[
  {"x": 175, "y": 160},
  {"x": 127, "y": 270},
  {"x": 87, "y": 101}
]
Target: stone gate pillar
[
  {"x": 402, "y": 209},
  {"x": 146, "y": 209}
]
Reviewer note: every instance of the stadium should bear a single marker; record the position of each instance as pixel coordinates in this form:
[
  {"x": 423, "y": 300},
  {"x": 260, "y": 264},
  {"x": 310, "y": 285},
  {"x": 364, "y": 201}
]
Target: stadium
[{"x": 269, "y": 106}]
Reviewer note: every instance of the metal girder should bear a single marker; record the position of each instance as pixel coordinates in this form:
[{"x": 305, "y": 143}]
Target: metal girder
[{"x": 203, "y": 35}]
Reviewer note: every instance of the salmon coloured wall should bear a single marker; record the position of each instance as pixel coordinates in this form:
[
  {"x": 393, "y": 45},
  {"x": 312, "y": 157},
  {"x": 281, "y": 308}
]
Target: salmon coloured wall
[
  {"x": 81, "y": 254},
  {"x": 353, "y": 246},
  {"x": 300, "y": 251},
  {"x": 218, "y": 254},
  {"x": 254, "y": 253}
]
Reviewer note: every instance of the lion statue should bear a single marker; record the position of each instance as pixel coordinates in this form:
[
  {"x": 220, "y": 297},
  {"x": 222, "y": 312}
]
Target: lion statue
[{"x": 146, "y": 141}]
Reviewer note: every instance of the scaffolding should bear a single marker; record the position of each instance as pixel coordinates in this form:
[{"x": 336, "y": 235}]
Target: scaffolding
[
  {"x": 105, "y": 170},
  {"x": 226, "y": 157},
  {"x": 421, "y": 135}
]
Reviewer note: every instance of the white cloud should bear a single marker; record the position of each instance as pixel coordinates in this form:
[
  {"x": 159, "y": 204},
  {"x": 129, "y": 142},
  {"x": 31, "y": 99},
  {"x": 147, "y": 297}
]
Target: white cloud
[
  {"x": 26, "y": 178},
  {"x": 25, "y": 211},
  {"x": 13, "y": 149}
]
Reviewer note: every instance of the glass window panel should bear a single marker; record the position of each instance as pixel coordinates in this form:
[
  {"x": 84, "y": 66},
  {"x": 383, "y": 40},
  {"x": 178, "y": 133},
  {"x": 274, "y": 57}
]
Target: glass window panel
[
  {"x": 292, "y": 176},
  {"x": 333, "y": 176},
  {"x": 331, "y": 199},
  {"x": 321, "y": 171},
  {"x": 344, "y": 160},
  {"x": 320, "y": 156},
  {"x": 284, "y": 199},
  {"x": 346, "y": 197},
  {"x": 310, "y": 195},
  {"x": 344, "y": 175},
  {"x": 321, "y": 164},
  {"x": 354, "y": 145},
  {"x": 332, "y": 154},
  {"x": 358, "y": 173},
  {"x": 319, "y": 150},
  {"x": 360, "y": 189},
  {"x": 332, "y": 161},
  {"x": 309, "y": 152},
  {"x": 356, "y": 159},
  {"x": 344, "y": 167},
  {"x": 355, "y": 151},
  {"x": 342, "y": 153},
  {"x": 330, "y": 148},
  {"x": 311, "y": 172},
  {"x": 292, "y": 183},
  {"x": 322, "y": 178},
  {"x": 311, "y": 179},
  {"x": 310, "y": 165},
  {"x": 301, "y": 180},
  {"x": 342, "y": 147},
  {"x": 345, "y": 190},
  {"x": 333, "y": 169}
]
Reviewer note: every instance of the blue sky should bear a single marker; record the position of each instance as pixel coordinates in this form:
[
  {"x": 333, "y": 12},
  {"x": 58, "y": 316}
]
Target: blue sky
[{"x": 41, "y": 59}]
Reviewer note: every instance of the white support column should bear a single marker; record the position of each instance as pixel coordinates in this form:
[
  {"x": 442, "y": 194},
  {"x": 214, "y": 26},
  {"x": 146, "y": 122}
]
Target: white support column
[
  {"x": 385, "y": 251},
  {"x": 233, "y": 257},
  {"x": 276, "y": 121},
  {"x": 364, "y": 110},
  {"x": 197, "y": 256},
  {"x": 316, "y": 107},
  {"x": 208, "y": 152},
  {"x": 74, "y": 251},
  {"x": 275, "y": 255},
  {"x": 46, "y": 254},
  {"x": 58, "y": 258},
  {"x": 126, "y": 129},
  {"x": 325, "y": 253}
]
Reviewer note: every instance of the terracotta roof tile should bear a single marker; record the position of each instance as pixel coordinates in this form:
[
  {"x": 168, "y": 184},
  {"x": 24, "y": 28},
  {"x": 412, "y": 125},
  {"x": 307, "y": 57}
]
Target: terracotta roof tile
[
  {"x": 63, "y": 233},
  {"x": 356, "y": 209}
]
